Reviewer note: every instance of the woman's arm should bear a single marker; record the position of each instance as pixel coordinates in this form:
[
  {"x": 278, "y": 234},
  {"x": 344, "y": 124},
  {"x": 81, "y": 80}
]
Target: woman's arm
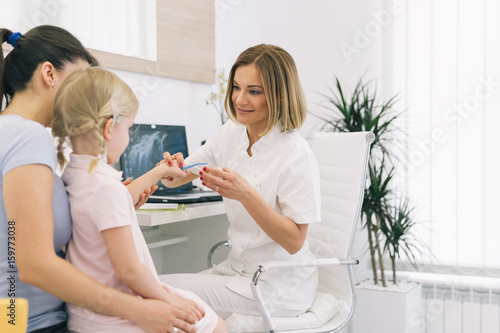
[
  {"x": 40, "y": 266},
  {"x": 281, "y": 229},
  {"x": 123, "y": 256}
]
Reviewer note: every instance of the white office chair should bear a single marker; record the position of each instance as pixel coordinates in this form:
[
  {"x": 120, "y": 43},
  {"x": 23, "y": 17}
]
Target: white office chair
[{"x": 343, "y": 160}]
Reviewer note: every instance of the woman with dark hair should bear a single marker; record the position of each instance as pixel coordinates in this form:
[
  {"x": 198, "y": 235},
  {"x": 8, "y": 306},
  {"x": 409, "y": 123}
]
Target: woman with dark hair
[
  {"x": 35, "y": 219},
  {"x": 270, "y": 183}
]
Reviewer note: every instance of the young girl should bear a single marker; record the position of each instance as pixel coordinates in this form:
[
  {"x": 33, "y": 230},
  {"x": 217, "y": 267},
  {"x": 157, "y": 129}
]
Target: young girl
[{"x": 95, "y": 110}]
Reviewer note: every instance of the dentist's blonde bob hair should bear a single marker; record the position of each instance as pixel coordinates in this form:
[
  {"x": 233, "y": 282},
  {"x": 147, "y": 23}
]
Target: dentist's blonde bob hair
[
  {"x": 284, "y": 95},
  {"x": 84, "y": 103}
]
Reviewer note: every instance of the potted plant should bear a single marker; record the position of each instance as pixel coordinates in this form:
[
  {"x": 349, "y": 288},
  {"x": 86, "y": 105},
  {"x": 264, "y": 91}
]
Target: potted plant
[
  {"x": 216, "y": 98},
  {"x": 387, "y": 217}
]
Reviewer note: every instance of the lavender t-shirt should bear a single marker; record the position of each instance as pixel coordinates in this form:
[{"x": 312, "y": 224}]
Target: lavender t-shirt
[{"x": 25, "y": 142}]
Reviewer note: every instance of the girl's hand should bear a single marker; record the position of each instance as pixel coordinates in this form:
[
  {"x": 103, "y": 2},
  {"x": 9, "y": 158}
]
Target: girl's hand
[
  {"x": 226, "y": 182},
  {"x": 144, "y": 196}
]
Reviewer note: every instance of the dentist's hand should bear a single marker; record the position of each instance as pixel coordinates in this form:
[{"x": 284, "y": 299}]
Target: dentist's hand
[
  {"x": 170, "y": 171},
  {"x": 173, "y": 160},
  {"x": 226, "y": 182}
]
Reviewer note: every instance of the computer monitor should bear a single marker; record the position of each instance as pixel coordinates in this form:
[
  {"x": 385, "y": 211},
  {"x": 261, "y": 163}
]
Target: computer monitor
[{"x": 147, "y": 144}]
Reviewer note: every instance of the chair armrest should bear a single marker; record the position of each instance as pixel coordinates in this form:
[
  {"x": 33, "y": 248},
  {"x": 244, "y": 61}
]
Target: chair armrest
[
  {"x": 254, "y": 285},
  {"x": 215, "y": 248},
  {"x": 309, "y": 263}
]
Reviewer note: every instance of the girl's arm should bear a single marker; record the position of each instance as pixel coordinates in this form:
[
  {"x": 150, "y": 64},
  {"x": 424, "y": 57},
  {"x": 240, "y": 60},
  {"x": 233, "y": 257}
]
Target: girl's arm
[
  {"x": 143, "y": 197},
  {"x": 281, "y": 229},
  {"x": 123, "y": 256},
  {"x": 37, "y": 263},
  {"x": 161, "y": 171}
]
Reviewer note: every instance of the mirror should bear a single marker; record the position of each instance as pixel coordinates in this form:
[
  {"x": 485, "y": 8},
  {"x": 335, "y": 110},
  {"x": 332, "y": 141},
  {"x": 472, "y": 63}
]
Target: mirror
[{"x": 172, "y": 38}]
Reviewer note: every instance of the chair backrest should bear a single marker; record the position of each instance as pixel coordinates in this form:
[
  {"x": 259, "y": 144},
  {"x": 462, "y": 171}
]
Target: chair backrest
[{"x": 343, "y": 160}]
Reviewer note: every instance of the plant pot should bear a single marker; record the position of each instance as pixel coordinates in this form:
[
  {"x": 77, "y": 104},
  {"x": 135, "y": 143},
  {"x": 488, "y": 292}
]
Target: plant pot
[{"x": 394, "y": 309}]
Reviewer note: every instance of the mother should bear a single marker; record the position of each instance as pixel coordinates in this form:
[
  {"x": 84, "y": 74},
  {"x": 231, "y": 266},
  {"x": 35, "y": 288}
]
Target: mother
[
  {"x": 270, "y": 185},
  {"x": 32, "y": 197}
]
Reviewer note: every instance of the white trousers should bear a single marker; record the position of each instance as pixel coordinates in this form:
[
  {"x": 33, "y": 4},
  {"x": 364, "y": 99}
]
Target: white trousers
[{"x": 212, "y": 289}]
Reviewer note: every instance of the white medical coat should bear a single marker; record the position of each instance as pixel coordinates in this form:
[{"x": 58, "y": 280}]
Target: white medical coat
[{"x": 284, "y": 171}]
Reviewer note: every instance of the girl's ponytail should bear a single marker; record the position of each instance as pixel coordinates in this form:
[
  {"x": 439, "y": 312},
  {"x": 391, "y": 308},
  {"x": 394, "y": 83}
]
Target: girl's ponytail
[{"x": 5, "y": 34}]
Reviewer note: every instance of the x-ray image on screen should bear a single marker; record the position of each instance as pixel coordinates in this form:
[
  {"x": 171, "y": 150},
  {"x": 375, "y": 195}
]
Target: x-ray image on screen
[{"x": 147, "y": 145}]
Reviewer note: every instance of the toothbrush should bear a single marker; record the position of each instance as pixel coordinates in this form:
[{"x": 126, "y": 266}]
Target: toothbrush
[{"x": 192, "y": 165}]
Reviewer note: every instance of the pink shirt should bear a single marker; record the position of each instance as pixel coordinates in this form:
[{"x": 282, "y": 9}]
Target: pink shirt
[{"x": 99, "y": 201}]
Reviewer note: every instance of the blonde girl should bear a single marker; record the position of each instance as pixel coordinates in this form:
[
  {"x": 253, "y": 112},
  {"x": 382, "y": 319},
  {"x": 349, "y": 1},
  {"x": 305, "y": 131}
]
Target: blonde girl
[{"x": 94, "y": 109}]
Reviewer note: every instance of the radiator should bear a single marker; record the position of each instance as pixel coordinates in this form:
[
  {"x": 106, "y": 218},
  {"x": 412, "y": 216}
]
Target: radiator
[{"x": 463, "y": 309}]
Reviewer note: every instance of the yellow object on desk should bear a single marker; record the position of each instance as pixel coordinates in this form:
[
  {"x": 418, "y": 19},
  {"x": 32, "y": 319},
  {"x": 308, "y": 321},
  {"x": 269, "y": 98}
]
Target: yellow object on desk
[{"x": 13, "y": 315}]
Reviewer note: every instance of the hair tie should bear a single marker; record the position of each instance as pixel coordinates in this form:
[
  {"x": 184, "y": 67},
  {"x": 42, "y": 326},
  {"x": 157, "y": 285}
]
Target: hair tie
[
  {"x": 116, "y": 117},
  {"x": 12, "y": 40}
]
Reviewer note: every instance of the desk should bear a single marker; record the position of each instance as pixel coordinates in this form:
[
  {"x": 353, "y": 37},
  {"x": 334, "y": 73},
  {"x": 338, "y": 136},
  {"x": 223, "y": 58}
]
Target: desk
[
  {"x": 151, "y": 218},
  {"x": 179, "y": 241}
]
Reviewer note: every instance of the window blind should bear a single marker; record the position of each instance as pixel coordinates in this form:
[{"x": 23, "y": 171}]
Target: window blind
[{"x": 444, "y": 60}]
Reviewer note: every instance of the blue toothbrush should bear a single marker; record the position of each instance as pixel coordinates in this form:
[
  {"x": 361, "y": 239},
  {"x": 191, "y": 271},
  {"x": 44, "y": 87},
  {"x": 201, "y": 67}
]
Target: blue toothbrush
[{"x": 192, "y": 165}]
